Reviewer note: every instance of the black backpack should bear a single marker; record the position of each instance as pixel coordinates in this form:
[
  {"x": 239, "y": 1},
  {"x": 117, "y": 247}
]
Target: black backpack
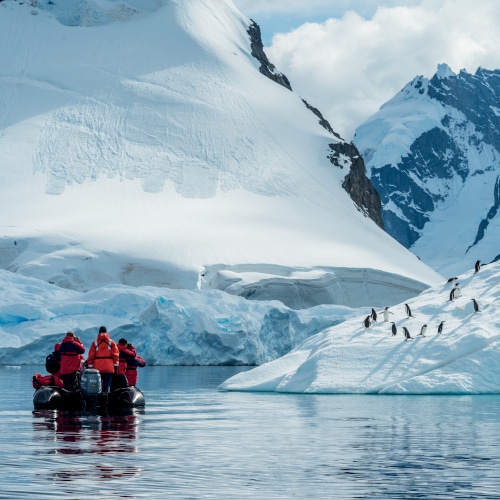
[{"x": 52, "y": 362}]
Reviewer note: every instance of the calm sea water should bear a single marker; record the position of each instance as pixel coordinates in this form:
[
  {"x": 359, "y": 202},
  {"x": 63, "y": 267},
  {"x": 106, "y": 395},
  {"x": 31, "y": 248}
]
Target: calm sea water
[{"x": 193, "y": 442}]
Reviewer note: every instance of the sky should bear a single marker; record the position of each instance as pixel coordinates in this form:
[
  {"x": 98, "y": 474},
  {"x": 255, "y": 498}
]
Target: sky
[{"x": 348, "y": 57}]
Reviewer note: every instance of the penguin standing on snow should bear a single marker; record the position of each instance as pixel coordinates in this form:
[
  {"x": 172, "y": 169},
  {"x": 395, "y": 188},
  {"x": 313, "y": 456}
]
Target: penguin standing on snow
[
  {"x": 455, "y": 292},
  {"x": 386, "y": 314},
  {"x": 374, "y": 315},
  {"x": 407, "y": 333},
  {"x": 394, "y": 329},
  {"x": 476, "y": 305},
  {"x": 408, "y": 311},
  {"x": 423, "y": 330},
  {"x": 366, "y": 322},
  {"x": 440, "y": 327},
  {"x": 477, "y": 267}
]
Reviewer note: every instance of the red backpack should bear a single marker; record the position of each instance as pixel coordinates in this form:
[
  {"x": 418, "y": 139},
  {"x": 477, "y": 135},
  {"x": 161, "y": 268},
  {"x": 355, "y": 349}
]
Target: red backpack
[{"x": 41, "y": 380}]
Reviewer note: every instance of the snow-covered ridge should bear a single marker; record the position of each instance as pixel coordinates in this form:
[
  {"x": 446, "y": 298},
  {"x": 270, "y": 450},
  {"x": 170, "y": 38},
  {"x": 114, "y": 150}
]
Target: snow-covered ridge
[
  {"x": 463, "y": 359},
  {"x": 433, "y": 153}
]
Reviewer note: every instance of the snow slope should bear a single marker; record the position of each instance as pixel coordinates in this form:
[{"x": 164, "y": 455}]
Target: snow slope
[
  {"x": 463, "y": 359},
  {"x": 140, "y": 145}
]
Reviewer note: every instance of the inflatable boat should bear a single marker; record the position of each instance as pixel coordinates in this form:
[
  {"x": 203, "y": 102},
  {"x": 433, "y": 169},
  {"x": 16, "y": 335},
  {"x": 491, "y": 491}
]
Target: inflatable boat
[{"x": 88, "y": 396}]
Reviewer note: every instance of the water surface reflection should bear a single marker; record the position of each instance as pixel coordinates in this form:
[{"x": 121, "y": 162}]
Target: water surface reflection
[
  {"x": 194, "y": 442},
  {"x": 71, "y": 433}
]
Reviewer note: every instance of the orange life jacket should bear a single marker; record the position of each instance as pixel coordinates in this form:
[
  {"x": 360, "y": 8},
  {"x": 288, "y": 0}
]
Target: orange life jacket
[{"x": 103, "y": 354}]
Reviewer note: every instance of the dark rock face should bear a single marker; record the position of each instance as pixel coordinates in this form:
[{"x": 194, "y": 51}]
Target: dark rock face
[
  {"x": 433, "y": 156},
  {"x": 475, "y": 96},
  {"x": 266, "y": 67},
  {"x": 356, "y": 183}
]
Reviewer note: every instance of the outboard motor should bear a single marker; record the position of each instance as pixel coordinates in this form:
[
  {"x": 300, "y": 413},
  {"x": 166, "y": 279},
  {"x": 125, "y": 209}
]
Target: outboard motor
[
  {"x": 90, "y": 382},
  {"x": 90, "y": 386}
]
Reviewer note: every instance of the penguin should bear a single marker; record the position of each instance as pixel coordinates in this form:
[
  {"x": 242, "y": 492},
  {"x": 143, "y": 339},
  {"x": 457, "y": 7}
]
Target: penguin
[
  {"x": 476, "y": 305},
  {"x": 394, "y": 329},
  {"x": 455, "y": 292},
  {"x": 408, "y": 311},
  {"x": 407, "y": 333},
  {"x": 477, "y": 267},
  {"x": 366, "y": 322},
  {"x": 374, "y": 315},
  {"x": 423, "y": 330},
  {"x": 440, "y": 327},
  {"x": 452, "y": 279},
  {"x": 386, "y": 314}
]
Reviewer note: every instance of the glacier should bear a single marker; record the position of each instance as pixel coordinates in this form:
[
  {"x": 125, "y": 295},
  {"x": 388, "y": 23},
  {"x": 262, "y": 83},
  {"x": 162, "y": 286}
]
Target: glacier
[{"x": 168, "y": 327}]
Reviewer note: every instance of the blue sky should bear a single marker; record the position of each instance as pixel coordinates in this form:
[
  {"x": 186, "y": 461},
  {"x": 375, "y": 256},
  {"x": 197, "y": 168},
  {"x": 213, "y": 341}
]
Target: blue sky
[{"x": 348, "y": 57}]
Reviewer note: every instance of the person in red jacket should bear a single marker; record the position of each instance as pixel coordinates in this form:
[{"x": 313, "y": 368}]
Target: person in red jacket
[
  {"x": 70, "y": 351},
  {"x": 128, "y": 361},
  {"x": 103, "y": 356}
]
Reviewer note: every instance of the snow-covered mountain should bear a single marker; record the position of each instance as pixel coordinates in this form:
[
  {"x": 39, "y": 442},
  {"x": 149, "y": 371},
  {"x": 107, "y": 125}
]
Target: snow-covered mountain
[
  {"x": 146, "y": 142},
  {"x": 462, "y": 358},
  {"x": 433, "y": 154}
]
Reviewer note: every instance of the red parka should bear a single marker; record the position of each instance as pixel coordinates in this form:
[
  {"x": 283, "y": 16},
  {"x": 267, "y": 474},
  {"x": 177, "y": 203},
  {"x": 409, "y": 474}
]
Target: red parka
[
  {"x": 127, "y": 364},
  {"x": 71, "y": 351},
  {"x": 103, "y": 354}
]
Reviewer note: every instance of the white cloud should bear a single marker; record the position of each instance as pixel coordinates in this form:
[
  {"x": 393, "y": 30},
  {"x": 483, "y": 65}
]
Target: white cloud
[
  {"x": 308, "y": 8},
  {"x": 349, "y": 66}
]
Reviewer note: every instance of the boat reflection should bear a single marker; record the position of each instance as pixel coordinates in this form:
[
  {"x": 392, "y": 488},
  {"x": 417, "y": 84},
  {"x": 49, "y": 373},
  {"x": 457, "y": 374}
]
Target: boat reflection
[{"x": 75, "y": 433}]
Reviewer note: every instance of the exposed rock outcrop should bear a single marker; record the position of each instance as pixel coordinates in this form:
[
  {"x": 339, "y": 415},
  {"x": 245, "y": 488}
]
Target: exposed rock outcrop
[
  {"x": 356, "y": 183},
  {"x": 322, "y": 120},
  {"x": 266, "y": 67}
]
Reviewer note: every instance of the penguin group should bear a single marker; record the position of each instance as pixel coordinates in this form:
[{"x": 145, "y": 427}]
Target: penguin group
[{"x": 454, "y": 294}]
